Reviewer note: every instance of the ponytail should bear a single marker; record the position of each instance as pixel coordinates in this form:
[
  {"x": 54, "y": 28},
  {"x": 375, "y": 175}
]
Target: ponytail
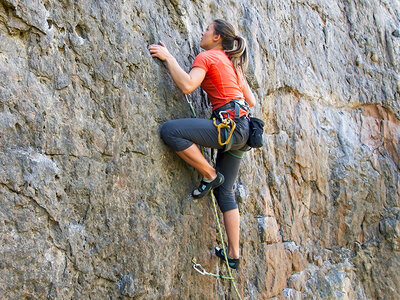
[
  {"x": 238, "y": 55},
  {"x": 234, "y": 46}
]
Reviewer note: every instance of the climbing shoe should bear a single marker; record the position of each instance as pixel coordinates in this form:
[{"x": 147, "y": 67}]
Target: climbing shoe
[
  {"x": 233, "y": 262},
  {"x": 206, "y": 186}
]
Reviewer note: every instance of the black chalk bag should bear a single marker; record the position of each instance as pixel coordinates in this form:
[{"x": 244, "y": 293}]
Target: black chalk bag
[{"x": 256, "y": 133}]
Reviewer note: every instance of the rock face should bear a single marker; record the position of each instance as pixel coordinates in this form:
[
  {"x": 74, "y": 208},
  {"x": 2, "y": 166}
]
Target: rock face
[{"x": 93, "y": 204}]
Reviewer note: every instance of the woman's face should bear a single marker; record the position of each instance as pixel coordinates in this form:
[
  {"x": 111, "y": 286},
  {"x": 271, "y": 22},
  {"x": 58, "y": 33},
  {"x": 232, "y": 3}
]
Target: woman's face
[{"x": 209, "y": 39}]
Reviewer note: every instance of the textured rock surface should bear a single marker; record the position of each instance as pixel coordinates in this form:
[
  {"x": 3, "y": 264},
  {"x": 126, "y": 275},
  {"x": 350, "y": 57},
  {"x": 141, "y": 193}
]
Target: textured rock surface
[{"x": 93, "y": 204}]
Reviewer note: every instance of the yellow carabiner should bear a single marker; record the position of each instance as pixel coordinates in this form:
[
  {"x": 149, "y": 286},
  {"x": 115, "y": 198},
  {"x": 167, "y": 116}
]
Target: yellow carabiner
[{"x": 226, "y": 123}]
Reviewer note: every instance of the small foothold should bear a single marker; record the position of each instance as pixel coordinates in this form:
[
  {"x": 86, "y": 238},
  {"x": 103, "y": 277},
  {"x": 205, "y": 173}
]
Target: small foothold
[
  {"x": 358, "y": 61},
  {"x": 374, "y": 57},
  {"x": 396, "y": 33}
]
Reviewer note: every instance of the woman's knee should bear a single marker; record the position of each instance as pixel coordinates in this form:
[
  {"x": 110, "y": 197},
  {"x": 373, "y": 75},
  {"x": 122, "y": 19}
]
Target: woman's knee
[
  {"x": 171, "y": 134},
  {"x": 166, "y": 132},
  {"x": 226, "y": 199}
]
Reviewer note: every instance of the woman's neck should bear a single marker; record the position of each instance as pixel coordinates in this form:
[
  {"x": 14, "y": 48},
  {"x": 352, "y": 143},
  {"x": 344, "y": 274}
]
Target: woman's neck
[
  {"x": 219, "y": 47},
  {"x": 213, "y": 47}
]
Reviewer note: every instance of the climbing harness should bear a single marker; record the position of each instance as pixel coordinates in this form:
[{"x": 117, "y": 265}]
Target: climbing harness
[
  {"x": 226, "y": 114},
  {"x": 196, "y": 266}
]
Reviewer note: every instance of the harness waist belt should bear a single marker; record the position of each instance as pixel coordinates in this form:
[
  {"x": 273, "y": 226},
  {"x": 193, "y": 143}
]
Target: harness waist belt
[{"x": 238, "y": 106}]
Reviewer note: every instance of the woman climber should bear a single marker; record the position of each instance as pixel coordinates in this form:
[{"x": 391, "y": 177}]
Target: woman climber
[{"x": 220, "y": 72}]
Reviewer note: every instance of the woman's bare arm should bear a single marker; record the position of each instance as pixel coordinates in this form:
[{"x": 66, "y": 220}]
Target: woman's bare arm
[
  {"x": 248, "y": 94},
  {"x": 187, "y": 82}
]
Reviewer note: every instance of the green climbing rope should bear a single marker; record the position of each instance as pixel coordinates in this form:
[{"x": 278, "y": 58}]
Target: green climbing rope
[
  {"x": 196, "y": 265},
  {"x": 223, "y": 244}
]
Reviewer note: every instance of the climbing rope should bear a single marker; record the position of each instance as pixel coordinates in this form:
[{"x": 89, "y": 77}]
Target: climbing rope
[{"x": 196, "y": 266}]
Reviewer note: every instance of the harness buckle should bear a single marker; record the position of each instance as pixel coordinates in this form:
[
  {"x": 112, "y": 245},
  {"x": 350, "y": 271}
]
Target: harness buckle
[{"x": 242, "y": 103}]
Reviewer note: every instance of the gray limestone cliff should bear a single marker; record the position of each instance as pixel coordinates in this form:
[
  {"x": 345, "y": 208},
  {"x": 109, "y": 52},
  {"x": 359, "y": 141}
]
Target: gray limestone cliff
[{"x": 92, "y": 203}]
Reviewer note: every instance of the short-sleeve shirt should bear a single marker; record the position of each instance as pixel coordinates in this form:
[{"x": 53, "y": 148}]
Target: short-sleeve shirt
[{"x": 221, "y": 82}]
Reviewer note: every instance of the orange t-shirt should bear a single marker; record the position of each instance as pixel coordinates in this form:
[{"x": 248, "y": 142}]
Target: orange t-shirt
[{"x": 221, "y": 83}]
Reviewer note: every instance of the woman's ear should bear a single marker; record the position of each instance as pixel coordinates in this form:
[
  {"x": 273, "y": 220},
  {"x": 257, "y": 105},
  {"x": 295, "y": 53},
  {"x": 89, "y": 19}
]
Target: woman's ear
[{"x": 216, "y": 37}]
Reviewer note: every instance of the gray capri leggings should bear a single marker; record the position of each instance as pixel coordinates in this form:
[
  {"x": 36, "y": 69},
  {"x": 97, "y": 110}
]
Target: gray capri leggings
[{"x": 182, "y": 133}]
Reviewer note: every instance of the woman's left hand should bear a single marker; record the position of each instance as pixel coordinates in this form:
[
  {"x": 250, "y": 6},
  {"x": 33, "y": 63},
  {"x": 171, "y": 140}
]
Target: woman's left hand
[{"x": 159, "y": 51}]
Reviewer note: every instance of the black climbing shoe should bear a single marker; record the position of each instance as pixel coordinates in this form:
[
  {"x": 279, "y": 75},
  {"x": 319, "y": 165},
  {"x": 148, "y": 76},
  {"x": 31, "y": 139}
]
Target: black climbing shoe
[
  {"x": 205, "y": 187},
  {"x": 233, "y": 262}
]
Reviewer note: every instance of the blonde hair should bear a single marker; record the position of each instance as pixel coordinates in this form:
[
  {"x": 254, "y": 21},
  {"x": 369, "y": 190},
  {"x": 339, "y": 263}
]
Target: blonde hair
[{"x": 234, "y": 46}]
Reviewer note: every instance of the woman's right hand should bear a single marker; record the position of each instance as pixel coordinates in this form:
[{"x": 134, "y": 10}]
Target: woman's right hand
[
  {"x": 187, "y": 82},
  {"x": 159, "y": 51}
]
